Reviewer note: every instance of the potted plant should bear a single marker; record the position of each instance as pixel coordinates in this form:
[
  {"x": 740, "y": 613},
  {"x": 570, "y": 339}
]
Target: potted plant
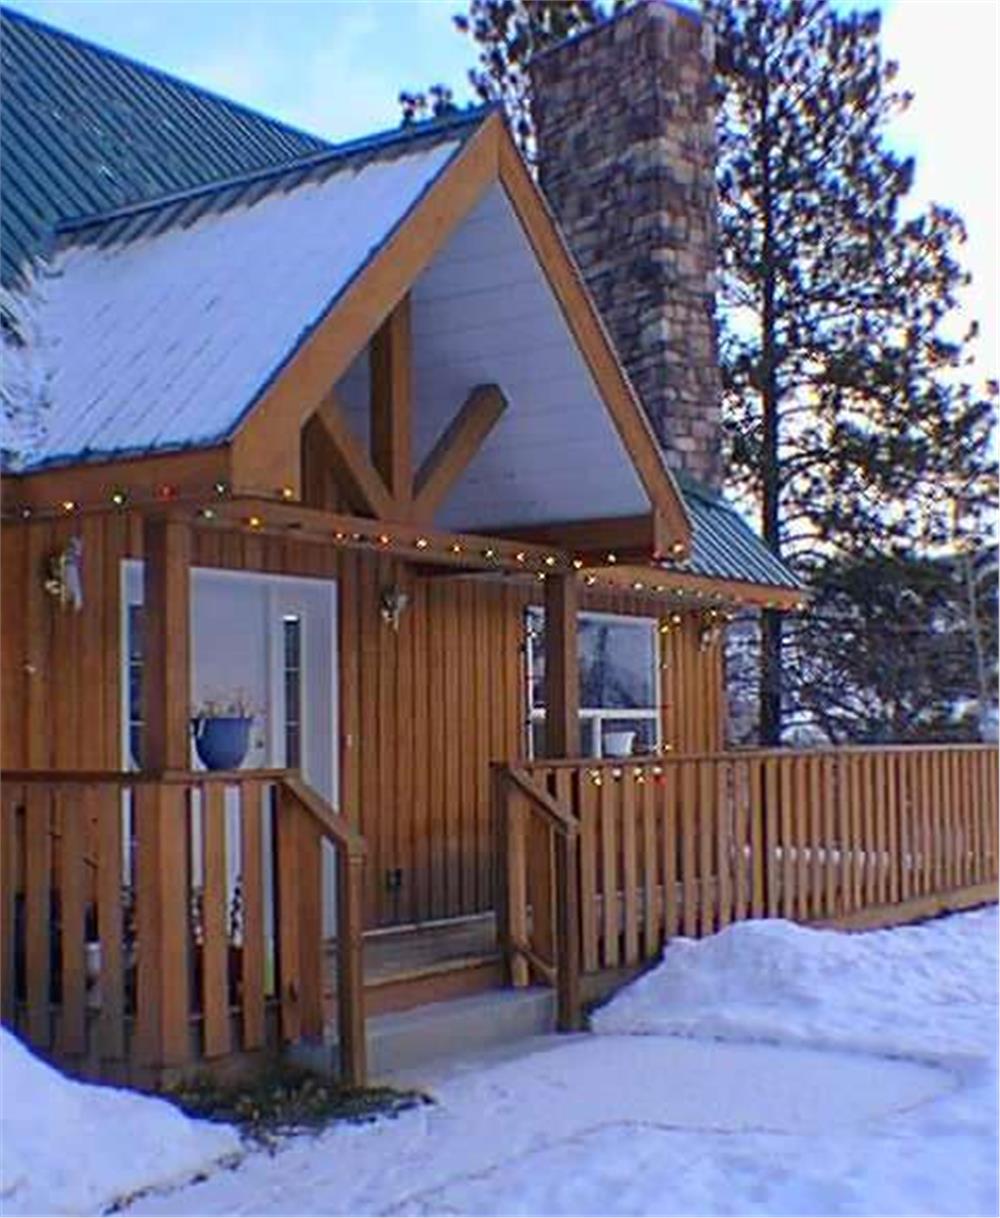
[{"x": 221, "y": 728}]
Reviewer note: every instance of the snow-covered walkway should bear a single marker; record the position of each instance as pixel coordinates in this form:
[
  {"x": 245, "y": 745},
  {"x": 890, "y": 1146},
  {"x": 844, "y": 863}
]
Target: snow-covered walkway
[{"x": 769, "y": 1070}]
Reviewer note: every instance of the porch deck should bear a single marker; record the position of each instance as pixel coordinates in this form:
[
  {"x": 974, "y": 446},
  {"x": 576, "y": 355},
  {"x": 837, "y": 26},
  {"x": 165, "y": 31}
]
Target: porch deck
[{"x": 129, "y": 953}]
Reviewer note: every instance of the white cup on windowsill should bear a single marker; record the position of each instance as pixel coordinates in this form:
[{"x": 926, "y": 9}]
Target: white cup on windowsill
[{"x": 618, "y": 744}]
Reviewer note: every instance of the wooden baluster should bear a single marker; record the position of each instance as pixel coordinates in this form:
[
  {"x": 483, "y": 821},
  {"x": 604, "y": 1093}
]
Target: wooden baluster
[
  {"x": 892, "y": 818},
  {"x": 567, "y": 933},
  {"x": 772, "y": 837},
  {"x": 286, "y": 900},
  {"x": 163, "y": 926},
  {"x": 786, "y": 814},
  {"x": 830, "y": 837},
  {"x": 588, "y": 872},
  {"x": 38, "y": 912},
  {"x": 350, "y": 967},
  {"x": 688, "y": 816},
  {"x": 741, "y": 840},
  {"x": 75, "y": 809},
  {"x": 110, "y": 919},
  {"x": 311, "y": 928},
  {"x": 651, "y": 935},
  {"x": 215, "y": 936},
  {"x": 707, "y": 874},
  {"x": 610, "y": 803},
  {"x": 760, "y": 844},
  {"x": 817, "y": 847},
  {"x": 630, "y": 871},
  {"x": 668, "y": 807},
  {"x": 720, "y": 783},
  {"x": 540, "y": 888},
  {"x": 517, "y": 887},
  {"x": 11, "y": 886},
  {"x": 252, "y": 891}
]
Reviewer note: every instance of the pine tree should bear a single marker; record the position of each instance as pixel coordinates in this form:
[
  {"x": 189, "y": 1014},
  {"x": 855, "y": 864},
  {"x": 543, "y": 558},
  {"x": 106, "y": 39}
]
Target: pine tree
[
  {"x": 507, "y": 33},
  {"x": 851, "y": 425},
  {"x": 848, "y": 419}
]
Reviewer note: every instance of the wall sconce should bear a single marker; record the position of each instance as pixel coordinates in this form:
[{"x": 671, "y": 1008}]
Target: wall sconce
[
  {"x": 64, "y": 575},
  {"x": 710, "y": 632},
  {"x": 392, "y": 605}
]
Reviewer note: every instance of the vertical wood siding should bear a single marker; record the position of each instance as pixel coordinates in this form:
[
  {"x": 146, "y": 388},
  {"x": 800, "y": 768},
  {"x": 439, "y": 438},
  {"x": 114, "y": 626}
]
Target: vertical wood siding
[{"x": 422, "y": 710}]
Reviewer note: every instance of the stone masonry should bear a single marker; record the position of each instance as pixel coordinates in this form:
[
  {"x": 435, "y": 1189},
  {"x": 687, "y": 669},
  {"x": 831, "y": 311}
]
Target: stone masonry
[{"x": 625, "y": 123}]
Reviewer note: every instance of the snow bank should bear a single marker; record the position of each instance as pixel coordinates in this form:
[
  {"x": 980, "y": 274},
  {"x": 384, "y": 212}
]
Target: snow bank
[
  {"x": 914, "y": 990},
  {"x": 73, "y": 1148}
]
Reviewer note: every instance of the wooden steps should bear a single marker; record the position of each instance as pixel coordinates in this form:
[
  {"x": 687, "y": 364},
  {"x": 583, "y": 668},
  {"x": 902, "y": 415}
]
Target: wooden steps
[{"x": 412, "y": 966}]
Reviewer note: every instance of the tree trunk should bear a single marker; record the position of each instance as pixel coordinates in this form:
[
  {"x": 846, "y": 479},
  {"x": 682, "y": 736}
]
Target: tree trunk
[{"x": 770, "y": 658}]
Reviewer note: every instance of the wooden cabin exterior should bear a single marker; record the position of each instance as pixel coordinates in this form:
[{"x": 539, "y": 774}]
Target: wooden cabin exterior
[{"x": 337, "y": 433}]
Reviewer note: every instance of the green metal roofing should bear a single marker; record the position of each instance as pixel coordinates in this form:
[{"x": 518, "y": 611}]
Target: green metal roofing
[
  {"x": 86, "y": 130},
  {"x": 723, "y": 545}
]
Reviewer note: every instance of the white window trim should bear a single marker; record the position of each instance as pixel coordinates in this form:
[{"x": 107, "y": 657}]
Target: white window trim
[{"x": 595, "y": 715}]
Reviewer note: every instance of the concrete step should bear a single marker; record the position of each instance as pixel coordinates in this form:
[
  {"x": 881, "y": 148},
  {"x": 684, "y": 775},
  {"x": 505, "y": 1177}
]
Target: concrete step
[{"x": 400, "y": 1041}]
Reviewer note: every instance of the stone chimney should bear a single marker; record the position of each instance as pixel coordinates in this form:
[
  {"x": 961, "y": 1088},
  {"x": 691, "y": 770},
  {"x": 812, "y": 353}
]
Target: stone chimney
[{"x": 625, "y": 122}]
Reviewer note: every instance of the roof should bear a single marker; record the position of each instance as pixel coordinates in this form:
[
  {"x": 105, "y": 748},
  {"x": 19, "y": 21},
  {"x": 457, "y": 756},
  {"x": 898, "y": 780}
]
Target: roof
[
  {"x": 162, "y": 323},
  {"x": 723, "y": 546},
  {"x": 85, "y": 129}
]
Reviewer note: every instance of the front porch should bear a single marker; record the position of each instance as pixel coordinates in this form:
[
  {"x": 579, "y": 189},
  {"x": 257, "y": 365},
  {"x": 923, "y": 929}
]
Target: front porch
[{"x": 155, "y": 925}]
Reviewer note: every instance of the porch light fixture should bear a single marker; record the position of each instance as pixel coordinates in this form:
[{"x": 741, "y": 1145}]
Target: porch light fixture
[
  {"x": 64, "y": 575},
  {"x": 392, "y": 605}
]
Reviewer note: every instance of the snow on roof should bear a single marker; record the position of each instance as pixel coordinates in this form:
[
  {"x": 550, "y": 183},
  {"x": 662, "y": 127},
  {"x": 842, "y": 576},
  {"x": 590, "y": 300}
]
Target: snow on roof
[{"x": 161, "y": 326}]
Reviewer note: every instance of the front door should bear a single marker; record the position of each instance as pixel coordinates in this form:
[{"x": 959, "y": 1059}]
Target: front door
[{"x": 270, "y": 642}]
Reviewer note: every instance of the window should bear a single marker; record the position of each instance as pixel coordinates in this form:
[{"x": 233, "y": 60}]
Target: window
[
  {"x": 292, "y": 660},
  {"x": 135, "y": 662},
  {"x": 619, "y": 684}
]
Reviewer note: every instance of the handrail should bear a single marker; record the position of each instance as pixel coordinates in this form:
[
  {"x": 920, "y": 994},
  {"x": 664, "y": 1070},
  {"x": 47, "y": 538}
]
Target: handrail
[
  {"x": 560, "y": 820},
  {"x": 131, "y": 778},
  {"x": 673, "y": 757},
  {"x": 350, "y": 859},
  {"x": 528, "y": 882},
  {"x": 332, "y": 824}
]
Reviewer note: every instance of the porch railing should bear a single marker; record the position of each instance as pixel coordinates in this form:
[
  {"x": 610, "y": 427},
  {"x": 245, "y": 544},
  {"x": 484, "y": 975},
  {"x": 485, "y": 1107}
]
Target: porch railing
[
  {"x": 151, "y": 923},
  {"x": 687, "y": 845}
]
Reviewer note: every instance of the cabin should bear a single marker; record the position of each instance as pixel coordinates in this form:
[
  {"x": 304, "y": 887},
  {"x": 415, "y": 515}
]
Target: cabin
[{"x": 366, "y": 569}]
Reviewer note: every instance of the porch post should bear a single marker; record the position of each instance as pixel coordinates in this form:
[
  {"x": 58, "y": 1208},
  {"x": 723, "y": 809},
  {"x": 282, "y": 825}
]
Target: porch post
[
  {"x": 166, "y": 705},
  {"x": 562, "y": 667},
  {"x": 161, "y": 820}
]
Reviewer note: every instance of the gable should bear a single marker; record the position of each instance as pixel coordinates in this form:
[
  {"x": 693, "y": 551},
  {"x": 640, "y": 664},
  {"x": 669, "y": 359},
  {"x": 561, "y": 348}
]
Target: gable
[
  {"x": 87, "y": 130},
  {"x": 483, "y": 311}
]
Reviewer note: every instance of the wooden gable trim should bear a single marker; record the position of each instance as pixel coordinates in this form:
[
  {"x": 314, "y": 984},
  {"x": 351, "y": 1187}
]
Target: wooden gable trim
[
  {"x": 592, "y": 338},
  {"x": 455, "y": 448},
  {"x": 390, "y": 361},
  {"x": 361, "y": 481},
  {"x": 85, "y": 485},
  {"x": 266, "y": 446},
  {"x": 651, "y": 579},
  {"x": 623, "y": 538}
]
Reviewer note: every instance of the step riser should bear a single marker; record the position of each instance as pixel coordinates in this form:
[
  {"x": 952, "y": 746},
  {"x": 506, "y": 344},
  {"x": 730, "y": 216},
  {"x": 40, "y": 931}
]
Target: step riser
[{"x": 405, "y": 1040}]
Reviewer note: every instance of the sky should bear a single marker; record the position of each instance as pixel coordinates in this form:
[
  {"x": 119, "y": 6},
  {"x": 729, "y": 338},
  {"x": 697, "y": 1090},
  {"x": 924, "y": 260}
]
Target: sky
[{"x": 335, "y": 67}]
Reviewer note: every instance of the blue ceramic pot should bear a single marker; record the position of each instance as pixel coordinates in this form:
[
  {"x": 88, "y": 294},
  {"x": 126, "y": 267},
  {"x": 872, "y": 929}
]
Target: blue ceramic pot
[{"x": 222, "y": 742}]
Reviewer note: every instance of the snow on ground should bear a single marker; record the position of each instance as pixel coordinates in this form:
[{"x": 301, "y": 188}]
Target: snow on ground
[
  {"x": 72, "y": 1148},
  {"x": 769, "y": 1070}
]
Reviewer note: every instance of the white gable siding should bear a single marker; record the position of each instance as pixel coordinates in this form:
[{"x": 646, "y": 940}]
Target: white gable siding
[{"x": 483, "y": 312}]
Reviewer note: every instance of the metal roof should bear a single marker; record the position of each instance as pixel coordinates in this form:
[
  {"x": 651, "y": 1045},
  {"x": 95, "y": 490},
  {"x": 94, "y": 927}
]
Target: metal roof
[
  {"x": 85, "y": 129},
  {"x": 157, "y": 328},
  {"x": 724, "y": 546}
]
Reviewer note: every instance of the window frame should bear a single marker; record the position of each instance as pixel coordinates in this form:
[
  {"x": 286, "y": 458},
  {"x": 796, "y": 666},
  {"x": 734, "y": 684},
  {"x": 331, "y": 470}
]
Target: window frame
[{"x": 593, "y": 718}]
